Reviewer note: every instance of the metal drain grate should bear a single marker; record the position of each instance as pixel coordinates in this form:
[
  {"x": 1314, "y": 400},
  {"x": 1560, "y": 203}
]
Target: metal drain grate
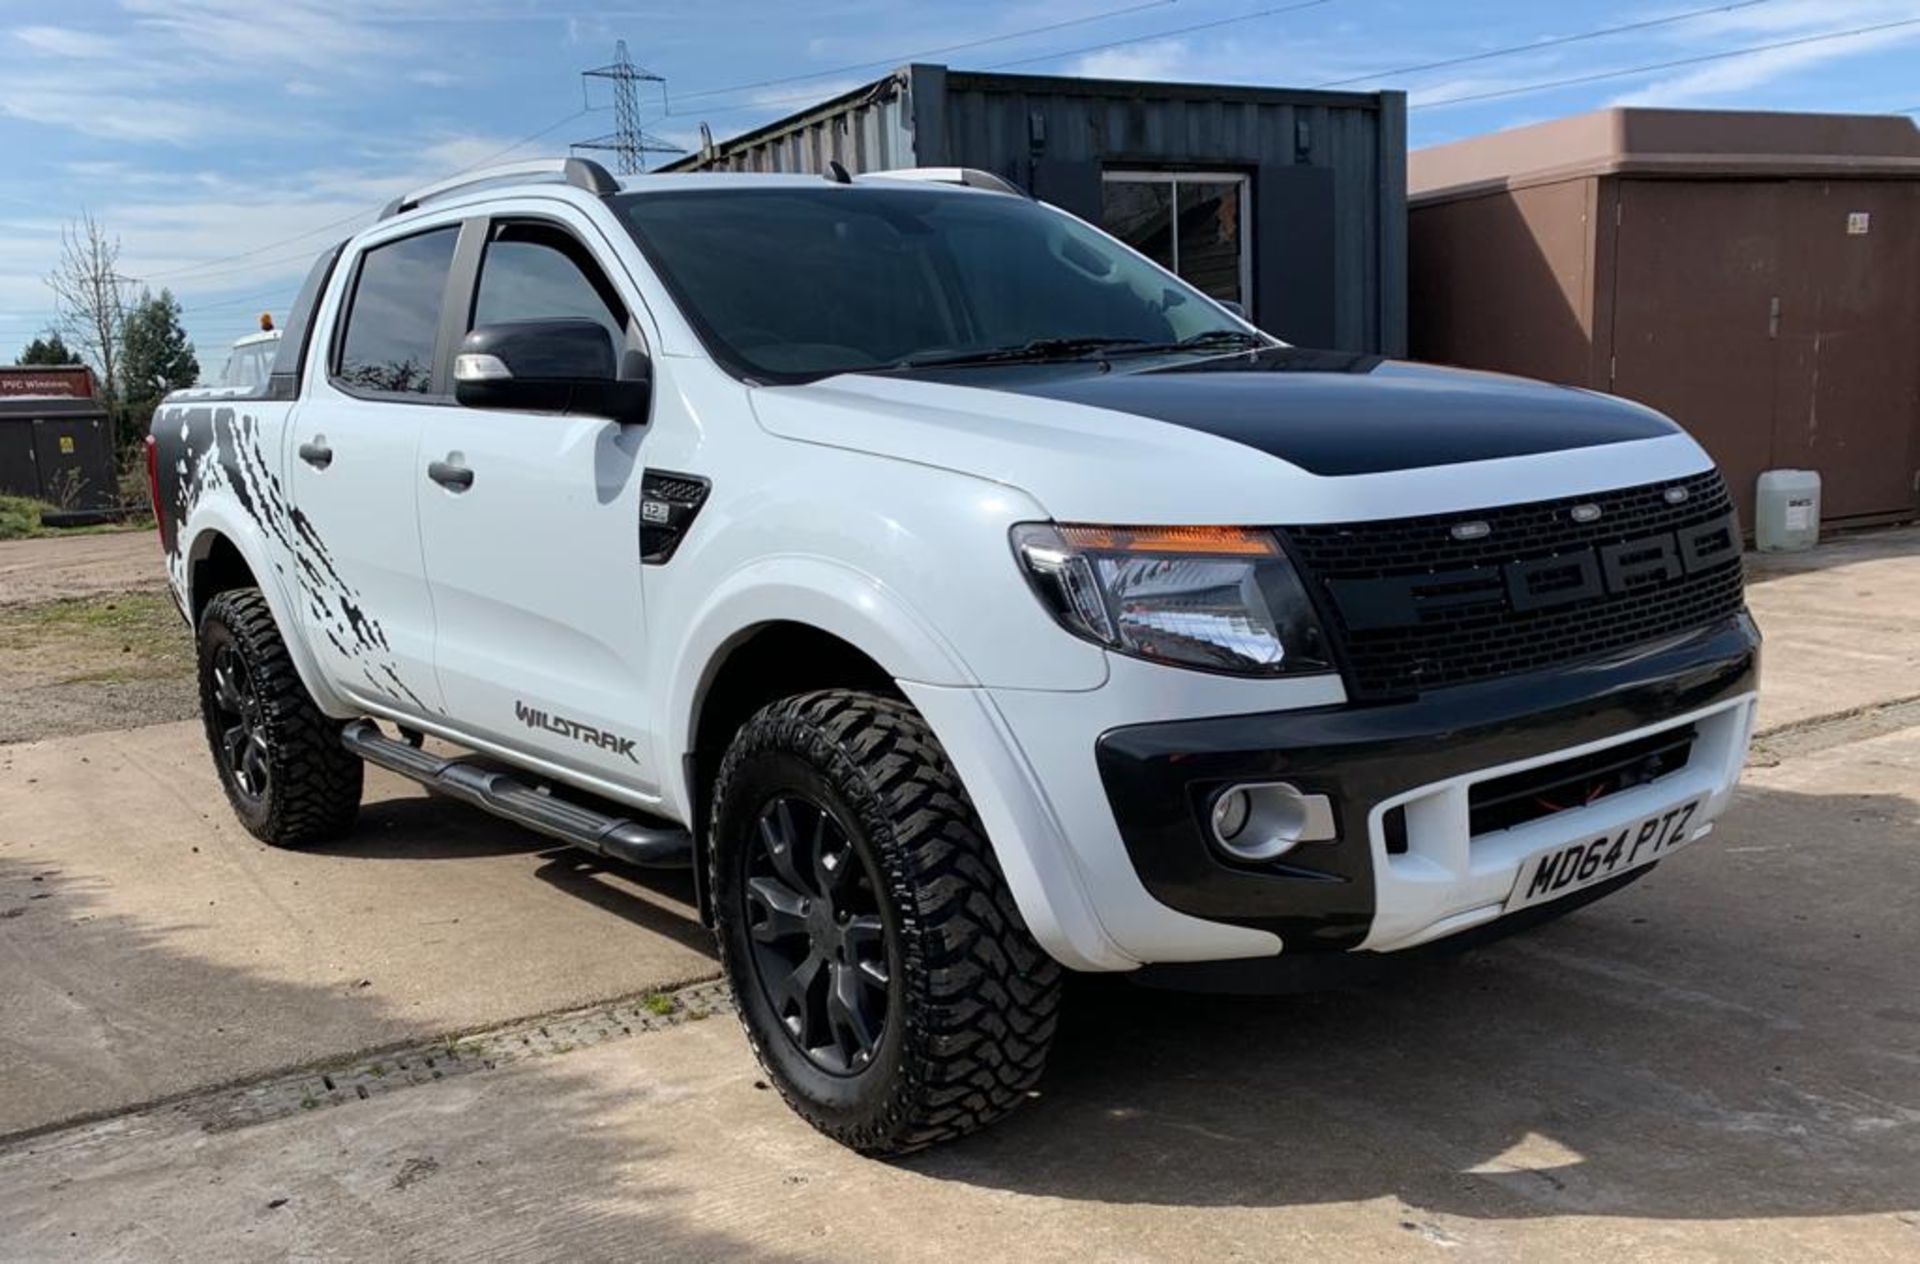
[{"x": 378, "y": 1073}]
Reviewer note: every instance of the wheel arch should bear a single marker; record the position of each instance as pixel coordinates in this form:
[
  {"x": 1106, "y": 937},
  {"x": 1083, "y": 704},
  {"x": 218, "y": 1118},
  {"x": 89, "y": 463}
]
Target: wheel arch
[
  {"x": 760, "y": 664},
  {"x": 220, "y": 555},
  {"x": 896, "y": 651}
]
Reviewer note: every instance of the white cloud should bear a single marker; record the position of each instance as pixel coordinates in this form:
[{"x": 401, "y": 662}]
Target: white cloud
[
  {"x": 1730, "y": 80},
  {"x": 60, "y": 41},
  {"x": 1162, "y": 59}
]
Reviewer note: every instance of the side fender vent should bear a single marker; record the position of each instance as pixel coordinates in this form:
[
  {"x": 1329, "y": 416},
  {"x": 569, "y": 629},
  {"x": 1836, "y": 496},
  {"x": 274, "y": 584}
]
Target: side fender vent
[{"x": 668, "y": 503}]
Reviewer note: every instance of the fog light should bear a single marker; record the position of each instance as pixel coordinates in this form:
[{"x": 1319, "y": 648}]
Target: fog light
[
  {"x": 1230, "y": 812},
  {"x": 1267, "y": 820}
]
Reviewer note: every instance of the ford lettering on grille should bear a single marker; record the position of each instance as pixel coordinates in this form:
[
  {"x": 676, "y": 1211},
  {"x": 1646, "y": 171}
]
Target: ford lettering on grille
[
  {"x": 1420, "y": 603},
  {"x": 1540, "y": 584}
]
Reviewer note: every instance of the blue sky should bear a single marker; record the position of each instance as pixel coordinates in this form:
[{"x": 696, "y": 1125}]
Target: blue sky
[{"x": 219, "y": 138}]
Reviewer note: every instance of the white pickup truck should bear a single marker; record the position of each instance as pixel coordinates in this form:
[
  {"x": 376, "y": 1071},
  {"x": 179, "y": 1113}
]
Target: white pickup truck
[{"x": 965, "y": 597}]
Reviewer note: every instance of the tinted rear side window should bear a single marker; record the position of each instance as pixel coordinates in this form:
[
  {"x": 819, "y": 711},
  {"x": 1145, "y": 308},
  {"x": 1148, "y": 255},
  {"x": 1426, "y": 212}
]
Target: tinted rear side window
[{"x": 394, "y": 320}]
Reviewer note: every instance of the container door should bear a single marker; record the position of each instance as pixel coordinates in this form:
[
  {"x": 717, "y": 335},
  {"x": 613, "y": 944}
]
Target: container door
[
  {"x": 1696, "y": 312},
  {"x": 18, "y": 474},
  {"x": 76, "y": 462},
  {"x": 1849, "y": 384}
]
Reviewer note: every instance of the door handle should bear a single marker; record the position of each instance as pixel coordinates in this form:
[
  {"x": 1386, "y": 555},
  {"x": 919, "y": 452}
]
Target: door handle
[
  {"x": 456, "y": 478},
  {"x": 316, "y": 453}
]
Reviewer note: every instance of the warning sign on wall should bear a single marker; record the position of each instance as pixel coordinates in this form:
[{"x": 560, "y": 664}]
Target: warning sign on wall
[{"x": 1859, "y": 223}]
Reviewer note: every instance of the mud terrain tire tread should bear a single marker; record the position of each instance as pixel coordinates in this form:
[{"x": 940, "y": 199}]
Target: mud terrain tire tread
[
  {"x": 981, "y": 997},
  {"x": 314, "y": 792}
]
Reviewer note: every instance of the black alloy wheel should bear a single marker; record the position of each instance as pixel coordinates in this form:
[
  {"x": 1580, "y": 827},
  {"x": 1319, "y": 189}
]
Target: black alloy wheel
[
  {"x": 883, "y": 975},
  {"x": 237, "y": 716},
  {"x": 280, "y": 759},
  {"x": 821, "y": 951}
]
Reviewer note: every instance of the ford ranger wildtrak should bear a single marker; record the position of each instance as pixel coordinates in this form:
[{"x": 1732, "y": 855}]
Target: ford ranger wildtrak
[{"x": 963, "y": 596}]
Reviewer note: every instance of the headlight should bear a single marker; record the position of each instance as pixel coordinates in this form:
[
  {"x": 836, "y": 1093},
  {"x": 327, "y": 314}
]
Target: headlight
[{"x": 1221, "y": 598}]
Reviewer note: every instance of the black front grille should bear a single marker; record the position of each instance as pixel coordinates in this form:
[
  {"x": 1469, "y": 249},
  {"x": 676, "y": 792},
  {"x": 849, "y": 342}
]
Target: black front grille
[{"x": 1414, "y": 606}]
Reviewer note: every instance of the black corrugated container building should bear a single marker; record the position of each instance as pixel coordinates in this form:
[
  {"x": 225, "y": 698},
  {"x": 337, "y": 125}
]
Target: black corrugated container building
[{"x": 1289, "y": 202}]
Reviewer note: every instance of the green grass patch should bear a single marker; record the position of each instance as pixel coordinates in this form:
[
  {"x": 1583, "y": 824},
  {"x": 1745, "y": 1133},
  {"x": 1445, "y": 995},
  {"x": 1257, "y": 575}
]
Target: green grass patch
[
  {"x": 20, "y": 518},
  {"x": 126, "y": 636}
]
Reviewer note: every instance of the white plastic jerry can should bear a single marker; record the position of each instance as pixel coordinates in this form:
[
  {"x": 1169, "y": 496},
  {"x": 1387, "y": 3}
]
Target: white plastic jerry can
[{"x": 1786, "y": 514}]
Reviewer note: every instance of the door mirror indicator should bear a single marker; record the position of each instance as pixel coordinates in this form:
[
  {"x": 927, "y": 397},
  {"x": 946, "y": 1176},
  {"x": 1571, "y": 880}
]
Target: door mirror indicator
[{"x": 561, "y": 366}]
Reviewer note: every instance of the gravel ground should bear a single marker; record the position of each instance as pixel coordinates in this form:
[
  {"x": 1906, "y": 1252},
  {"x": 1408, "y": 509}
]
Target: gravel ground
[
  {"x": 33, "y": 571},
  {"x": 79, "y": 665}
]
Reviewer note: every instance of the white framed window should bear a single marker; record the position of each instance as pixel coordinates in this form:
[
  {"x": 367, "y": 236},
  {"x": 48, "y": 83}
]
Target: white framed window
[{"x": 1192, "y": 223}]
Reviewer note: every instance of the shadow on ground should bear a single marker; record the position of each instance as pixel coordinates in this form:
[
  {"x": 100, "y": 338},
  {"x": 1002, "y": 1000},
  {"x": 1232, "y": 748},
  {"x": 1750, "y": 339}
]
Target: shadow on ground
[
  {"x": 77, "y": 1195},
  {"x": 1737, "y": 1036}
]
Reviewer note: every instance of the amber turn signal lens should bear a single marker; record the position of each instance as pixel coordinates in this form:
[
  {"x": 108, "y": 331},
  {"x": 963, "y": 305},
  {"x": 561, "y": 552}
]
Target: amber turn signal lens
[{"x": 1210, "y": 541}]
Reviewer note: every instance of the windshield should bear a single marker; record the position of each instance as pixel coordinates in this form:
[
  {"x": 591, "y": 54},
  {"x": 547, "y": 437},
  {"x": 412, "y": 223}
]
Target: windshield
[{"x": 791, "y": 284}]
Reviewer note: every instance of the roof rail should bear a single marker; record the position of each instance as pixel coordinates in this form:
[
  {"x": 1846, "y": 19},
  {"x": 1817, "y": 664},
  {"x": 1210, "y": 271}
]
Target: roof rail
[
  {"x": 972, "y": 177},
  {"x": 581, "y": 173}
]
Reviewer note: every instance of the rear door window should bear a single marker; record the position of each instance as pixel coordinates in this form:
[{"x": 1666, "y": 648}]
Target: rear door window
[{"x": 393, "y": 323}]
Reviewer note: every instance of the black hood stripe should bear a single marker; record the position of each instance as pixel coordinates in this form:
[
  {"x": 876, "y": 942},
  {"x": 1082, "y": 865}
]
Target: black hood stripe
[{"x": 1333, "y": 413}]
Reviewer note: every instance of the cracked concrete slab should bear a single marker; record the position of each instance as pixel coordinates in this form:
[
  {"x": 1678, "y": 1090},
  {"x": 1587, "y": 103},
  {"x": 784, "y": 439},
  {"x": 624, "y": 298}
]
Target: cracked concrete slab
[{"x": 149, "y": 946}]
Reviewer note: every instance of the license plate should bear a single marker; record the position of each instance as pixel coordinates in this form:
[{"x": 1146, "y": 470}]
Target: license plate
[{"x": 1563, "y": 870}]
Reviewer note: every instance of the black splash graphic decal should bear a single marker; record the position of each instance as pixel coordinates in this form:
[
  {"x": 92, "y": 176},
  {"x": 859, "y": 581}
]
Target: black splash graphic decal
[{"x": 204, "y": 449}]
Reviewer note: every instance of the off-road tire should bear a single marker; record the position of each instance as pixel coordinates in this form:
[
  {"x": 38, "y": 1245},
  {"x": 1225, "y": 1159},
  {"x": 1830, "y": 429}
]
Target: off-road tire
[
  {"x": 973, "y": 1005},
  {"x": 312, "y": 788}
]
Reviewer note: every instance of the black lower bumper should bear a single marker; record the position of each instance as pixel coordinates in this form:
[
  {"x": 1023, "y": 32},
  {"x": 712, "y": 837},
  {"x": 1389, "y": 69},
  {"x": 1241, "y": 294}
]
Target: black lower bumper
[{"x": 1159, "y": 778}]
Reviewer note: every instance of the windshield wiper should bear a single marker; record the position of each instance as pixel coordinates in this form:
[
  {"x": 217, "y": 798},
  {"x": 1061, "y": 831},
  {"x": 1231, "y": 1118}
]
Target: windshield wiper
[
  {"x": 1210, "y": 340},
  {"x": 1037, "y": 351}
]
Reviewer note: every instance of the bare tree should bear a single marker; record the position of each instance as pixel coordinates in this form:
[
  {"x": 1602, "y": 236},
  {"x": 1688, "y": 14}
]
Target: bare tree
[{"x": 90, "y": 297}]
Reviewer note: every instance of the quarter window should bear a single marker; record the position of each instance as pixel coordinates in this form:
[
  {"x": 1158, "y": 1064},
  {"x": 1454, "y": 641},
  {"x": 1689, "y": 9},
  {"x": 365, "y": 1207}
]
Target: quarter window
[{"x": 394, "y": 321}]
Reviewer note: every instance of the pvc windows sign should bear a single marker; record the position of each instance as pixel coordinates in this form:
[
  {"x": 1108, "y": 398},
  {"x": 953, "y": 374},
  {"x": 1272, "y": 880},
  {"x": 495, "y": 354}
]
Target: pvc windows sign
[{"x": 1192, "y": 223}]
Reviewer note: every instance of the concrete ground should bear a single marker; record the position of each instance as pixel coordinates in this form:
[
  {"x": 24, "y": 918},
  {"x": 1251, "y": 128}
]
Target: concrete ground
[
  {"x": 1842, "y": 623},
  {"x": 1722, "y": 1061}
]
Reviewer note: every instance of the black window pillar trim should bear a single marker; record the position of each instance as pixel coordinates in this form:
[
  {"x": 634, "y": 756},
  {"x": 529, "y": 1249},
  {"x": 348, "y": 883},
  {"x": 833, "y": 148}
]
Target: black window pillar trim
[{"x": 456, "y": 303}]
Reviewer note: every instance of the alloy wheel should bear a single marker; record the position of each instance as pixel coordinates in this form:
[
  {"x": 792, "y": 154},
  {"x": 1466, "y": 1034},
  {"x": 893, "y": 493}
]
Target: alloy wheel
[
  {"x": 242, "y": 726},
  {"x": 820, "y": 945}
]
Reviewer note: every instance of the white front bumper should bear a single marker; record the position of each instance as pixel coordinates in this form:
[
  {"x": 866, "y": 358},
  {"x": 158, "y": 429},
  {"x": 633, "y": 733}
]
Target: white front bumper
[{"x": 1448, "y": 880}]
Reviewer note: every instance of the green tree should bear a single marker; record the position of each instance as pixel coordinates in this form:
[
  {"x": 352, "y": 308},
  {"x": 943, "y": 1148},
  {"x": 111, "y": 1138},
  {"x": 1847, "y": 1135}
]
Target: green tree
[
  {"x": 49, "y": 350},
  {"x": 155, "y": 357}
]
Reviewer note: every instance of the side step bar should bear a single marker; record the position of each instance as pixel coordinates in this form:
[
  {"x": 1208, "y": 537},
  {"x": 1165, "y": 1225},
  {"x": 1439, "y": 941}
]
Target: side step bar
[{"x": 650, "y": 846}]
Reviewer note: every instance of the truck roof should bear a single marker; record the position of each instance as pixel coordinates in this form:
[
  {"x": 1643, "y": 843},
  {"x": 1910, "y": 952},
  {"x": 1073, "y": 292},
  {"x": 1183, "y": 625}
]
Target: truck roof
[{"x": 591, "y": 177}]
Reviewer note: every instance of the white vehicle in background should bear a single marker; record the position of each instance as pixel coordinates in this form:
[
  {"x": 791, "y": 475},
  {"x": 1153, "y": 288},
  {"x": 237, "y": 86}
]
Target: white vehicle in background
[
  {"x": 250, "y": 362},
  {"x": 963, "y": 596}
]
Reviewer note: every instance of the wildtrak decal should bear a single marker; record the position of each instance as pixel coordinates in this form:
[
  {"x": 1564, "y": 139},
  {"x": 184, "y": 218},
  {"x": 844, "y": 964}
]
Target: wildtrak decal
[{"x": 534, "y": 718}]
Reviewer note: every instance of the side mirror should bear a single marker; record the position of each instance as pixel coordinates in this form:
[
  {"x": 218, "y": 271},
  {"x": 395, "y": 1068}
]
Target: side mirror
[
  {"x": 1238, "y": 309},
  {"x": 555, "y": 366}
]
